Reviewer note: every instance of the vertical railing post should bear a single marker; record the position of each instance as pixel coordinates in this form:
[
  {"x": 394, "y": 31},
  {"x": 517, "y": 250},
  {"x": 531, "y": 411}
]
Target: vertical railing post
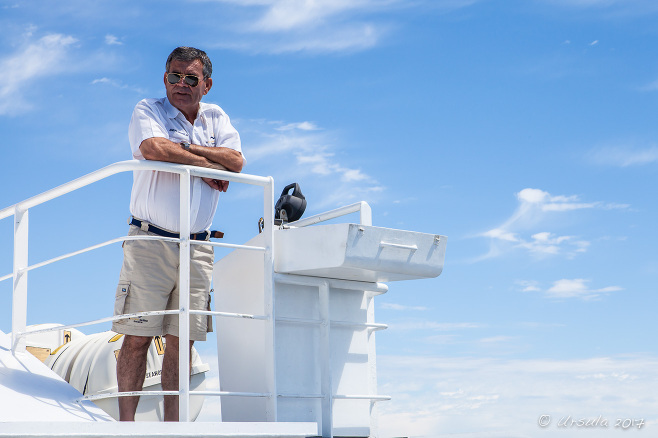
[
  {"x": 325, "y": 361},
  {"x": 365, "y": 214},
  {"x": 184, "y": 301},
  {"x": 19, "y": 299},
  {"x": 268, "y": 285},
  {"x": 372, "y": 364}
]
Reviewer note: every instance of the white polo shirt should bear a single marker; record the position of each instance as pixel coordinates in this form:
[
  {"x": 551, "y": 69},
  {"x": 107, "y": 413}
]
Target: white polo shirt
[{"x": 155, "y": 195}]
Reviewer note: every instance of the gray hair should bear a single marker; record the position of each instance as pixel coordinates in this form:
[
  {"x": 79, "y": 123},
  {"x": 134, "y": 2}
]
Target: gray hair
[{"x": 189, "y": 54}]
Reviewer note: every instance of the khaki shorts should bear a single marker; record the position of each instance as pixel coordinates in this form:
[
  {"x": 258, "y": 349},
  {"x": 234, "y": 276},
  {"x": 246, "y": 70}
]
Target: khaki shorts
[{"x": 149, "y": 281}]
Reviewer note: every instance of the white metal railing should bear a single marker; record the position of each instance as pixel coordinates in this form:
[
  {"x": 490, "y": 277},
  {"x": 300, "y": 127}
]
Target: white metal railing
[
  {"x": 365, "y": 215},
  {"x": 20, "y": 211},
  {"x": 21, "y": 268}
]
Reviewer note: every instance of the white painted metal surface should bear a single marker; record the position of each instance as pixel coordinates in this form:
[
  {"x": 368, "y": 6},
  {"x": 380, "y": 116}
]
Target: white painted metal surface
[
  {"x": 19, "y": 299},
  {"x": 184, "y": 299},
  {"x": 364, "y": 210},
  {"x": 63, "y": 429},
  {"x": 359, "y": 252},
  {"x": 30, "y": 391},
  {"x": 325, "y": 281},
  {"x": 295, "y": 317}
]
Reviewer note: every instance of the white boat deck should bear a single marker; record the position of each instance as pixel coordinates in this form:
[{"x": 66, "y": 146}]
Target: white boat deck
[
  {"x": 152, "y": 429},
  {"x": 54, "y": 410},
  {"x": 26, "y": 381}
]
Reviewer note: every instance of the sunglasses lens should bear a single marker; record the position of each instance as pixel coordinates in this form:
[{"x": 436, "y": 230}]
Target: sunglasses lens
[
  {"x": 192, "y": 81},
  {"x": 173, "y": 78}
]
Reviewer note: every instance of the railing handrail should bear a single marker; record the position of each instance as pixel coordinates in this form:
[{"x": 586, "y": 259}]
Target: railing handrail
[
  {"x": 365, "y": 215},
  {"x": 131, "y": 165},
  {"x": 124, "y": 239}
]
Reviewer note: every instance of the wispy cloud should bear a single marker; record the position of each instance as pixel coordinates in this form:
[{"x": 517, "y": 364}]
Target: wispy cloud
[
  {"x": 319, "y": 26},
  {"x": 117, "y": 84},
  {"x": 577, "y": 288},
  {"x": 311, "y": 155},
  {"x": 522, "y": 230},
  {"x": 440, "y": 396},
  {"x": 435, "y": 326},
  {"x": 622, "y": 7},
  {"x": 302, "y": 126},
  {"x": 286, "y": 15},
  {"x": 112, "y": 40},
  {"x": 401, "y": 307},
  {"x": 624, "y": 156},
  {"x": 568, "y": 288},
  {"x": 34, "y": 59}
]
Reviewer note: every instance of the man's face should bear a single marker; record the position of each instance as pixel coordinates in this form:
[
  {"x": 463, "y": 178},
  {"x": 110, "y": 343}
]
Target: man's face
[{"x": 183, "y": 96}]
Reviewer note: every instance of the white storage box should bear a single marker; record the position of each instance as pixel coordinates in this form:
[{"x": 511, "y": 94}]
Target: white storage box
[{"x": 358, "y": 252}]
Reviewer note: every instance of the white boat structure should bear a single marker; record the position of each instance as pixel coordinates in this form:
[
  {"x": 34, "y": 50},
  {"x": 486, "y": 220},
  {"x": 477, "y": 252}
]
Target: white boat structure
[{"x": 294, "y": 316}]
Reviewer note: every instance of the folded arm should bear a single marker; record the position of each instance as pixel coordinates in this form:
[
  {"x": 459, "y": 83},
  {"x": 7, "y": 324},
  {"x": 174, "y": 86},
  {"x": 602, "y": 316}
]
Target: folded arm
[{"x": 220, "y": 158}]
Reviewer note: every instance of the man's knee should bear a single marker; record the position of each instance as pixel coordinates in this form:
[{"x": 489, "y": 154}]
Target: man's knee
[
  {"x": 172, "y": 343},
  {"x": 135, "y": 344}
]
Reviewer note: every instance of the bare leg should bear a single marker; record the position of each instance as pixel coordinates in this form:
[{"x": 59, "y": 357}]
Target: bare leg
[
  {"x": 131, "y": 371},
  {"x": 170, "y": 376}
]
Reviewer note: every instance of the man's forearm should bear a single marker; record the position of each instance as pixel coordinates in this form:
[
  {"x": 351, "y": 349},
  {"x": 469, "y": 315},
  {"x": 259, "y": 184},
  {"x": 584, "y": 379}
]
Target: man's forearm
[
  {"x": 227, "y": 157},
  {"x": 162, "y": 149}
]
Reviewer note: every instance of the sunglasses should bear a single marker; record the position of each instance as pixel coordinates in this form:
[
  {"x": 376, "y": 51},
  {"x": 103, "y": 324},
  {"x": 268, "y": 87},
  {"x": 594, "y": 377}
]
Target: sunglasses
[{"x": 174, "y": 78}]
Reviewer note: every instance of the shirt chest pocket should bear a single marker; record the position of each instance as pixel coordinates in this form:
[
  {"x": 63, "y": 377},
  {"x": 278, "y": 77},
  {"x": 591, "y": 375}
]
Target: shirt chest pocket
[{"x": 177, "y": 136}]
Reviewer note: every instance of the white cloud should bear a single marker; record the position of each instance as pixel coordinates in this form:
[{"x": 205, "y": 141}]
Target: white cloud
[
  {"x": 528, "y": 286},
  {"x": 497, "y": 339},
  {"x": 318, "y": 26},
  {"x": 338, "y": 38},
  {"x": 623, "y": 6},
  {"x": 538, "y": 209},
  {"x": 309, "y": 26},
  {"x": 433, "y": 325},
  {"x": 568, "y": 288},
  {"x": 303, "y": 126},
  {"x": 35, "y": 59},
  {"x": 299, "y": 150},
  {"x": 624, "y": 156},
  {"x": 393, "y": 306},
  {"x": 112, "y": 40},
  {"x": 577, "y": 288},
  {"x": 117, "y": 84},
  {"x": 547, "y": 243},
  {"x": 284, "y": 15},
  {"x": 497, "y": 233},
  {"x": 532, "y": 196},
  {"x": 487, "y": 397}
]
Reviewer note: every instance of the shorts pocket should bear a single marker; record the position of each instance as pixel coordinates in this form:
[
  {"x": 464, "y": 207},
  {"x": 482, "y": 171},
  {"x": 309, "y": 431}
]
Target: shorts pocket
[
  {"x": 209, "y": 322},
  {"x": 120, "y": 300}
]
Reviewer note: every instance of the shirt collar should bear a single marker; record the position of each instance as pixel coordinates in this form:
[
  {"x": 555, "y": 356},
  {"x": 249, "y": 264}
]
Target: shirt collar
[{"x": 173, "y": 112}]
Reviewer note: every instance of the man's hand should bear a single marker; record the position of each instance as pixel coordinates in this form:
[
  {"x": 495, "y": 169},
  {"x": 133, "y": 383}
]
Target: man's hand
[{"x": 217, "y": 184}]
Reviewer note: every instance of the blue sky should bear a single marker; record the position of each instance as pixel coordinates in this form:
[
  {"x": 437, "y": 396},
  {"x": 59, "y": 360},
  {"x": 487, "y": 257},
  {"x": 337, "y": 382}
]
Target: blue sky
[{"x": 523, "y": 130}]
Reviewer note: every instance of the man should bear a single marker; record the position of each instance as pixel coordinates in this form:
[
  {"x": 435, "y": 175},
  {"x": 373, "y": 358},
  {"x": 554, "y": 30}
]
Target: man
[{"x": 177, "y": 129}]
